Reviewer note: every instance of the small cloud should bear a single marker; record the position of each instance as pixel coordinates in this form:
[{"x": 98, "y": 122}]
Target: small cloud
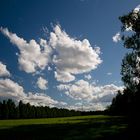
[
  {"x": 63, "y": 76},
  {"x": 117, "y": 37},
  {"x": 109, "y": 73},
  {"x": 88, "y": 76},
  {"x": 42, "y": 83}
]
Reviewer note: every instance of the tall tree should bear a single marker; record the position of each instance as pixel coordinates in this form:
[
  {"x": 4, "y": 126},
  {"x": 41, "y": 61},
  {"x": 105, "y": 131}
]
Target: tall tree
[
  {"x": 128, "y": 103},
  {"x": 131, "y": 62}
]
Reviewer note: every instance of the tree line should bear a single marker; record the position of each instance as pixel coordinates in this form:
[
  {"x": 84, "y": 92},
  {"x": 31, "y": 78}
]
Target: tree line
[{"x": 9, "y": 110}]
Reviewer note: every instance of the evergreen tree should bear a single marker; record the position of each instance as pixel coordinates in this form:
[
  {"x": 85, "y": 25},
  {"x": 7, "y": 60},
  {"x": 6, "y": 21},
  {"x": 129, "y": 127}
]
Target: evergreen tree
[
  {"x": 5, "y": 110},
  {"x": 12, "y": 109}
]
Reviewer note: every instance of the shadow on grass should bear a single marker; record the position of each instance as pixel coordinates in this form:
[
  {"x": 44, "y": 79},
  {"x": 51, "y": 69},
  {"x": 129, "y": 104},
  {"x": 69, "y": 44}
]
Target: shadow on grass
[{"x": 90, "y": 129}]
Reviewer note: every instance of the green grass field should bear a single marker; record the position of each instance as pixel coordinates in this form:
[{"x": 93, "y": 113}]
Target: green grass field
[{"x": 68, "y": 128}]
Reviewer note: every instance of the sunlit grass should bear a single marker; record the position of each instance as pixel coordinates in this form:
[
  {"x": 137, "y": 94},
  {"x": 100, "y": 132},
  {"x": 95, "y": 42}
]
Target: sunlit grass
[
  {"x": 77, "y": 127},
  {"x": 65, "y": 120}
]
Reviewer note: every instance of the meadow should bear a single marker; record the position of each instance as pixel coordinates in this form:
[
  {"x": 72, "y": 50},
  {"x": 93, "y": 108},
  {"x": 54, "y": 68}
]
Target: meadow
[{"x": 92, "y": 127}]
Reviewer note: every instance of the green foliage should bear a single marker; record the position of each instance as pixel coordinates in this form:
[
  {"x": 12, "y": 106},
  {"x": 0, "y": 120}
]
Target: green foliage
[
  {"x": 131, "y": 62},
  {"x": 128, "y": 102}
]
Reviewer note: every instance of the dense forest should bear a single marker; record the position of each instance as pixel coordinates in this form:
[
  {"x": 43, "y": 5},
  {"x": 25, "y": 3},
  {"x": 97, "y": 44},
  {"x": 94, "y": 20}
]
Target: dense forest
[{"x": 9, "y": 110}]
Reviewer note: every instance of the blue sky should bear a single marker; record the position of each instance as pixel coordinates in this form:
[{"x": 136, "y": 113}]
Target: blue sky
[{"x": 58, "y": 72}]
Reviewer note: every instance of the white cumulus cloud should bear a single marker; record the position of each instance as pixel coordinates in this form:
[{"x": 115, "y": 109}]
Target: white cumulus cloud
[
  {"x": 12, "y": 90},
  {"x": 88, "y": 76},
  {"x": 40, "y": 99},
  {"x": 63, "y": 76},
  {"x": 84, "y": 91},
  {"x": 69, "y": 55},
  {"x": 42, "y": 83},
  {"x": 72, "y": 56},
  {"x": 32, "y": 55},
  {"x": 88, "y": 106},
  {"x": 117, "y": 37},
  {"x": 3, "y": 70}
]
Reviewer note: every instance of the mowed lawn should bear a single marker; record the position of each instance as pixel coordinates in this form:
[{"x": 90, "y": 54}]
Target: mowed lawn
[{"x": 69, "y": 128}]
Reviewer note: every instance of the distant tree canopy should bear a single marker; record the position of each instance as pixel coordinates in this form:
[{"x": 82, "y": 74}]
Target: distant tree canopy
[
  {"x": 128, "y": 102},
  {"x": 8, "y": 110}
]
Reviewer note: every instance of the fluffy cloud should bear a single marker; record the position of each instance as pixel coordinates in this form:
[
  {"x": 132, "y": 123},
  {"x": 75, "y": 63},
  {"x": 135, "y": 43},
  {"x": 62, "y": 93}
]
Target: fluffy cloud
[
  {"x": 79, "y": 91},
  {"x": 69, "y": 55},
  {"x": 32, "y": 55},
  {"x": 40, "y": 99},
  {"x": 63, "y": 76},
  {"x": 91, "y": 93},
  {"x": 12, "y": 90},
  {"x": 88, "y": 76},
  {"x": 72, "y": 56},
  {"x": 117, "y": 37},
  {"x": 3, "y": 70},
  {"x": 42, "y": 83},
  {"x": 88, "y": 106}
]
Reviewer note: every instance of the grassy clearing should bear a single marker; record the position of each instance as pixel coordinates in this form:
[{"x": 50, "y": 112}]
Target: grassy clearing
[
  {"x": 72, "y": 120},
  {"x": 69, "y": 128}
]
